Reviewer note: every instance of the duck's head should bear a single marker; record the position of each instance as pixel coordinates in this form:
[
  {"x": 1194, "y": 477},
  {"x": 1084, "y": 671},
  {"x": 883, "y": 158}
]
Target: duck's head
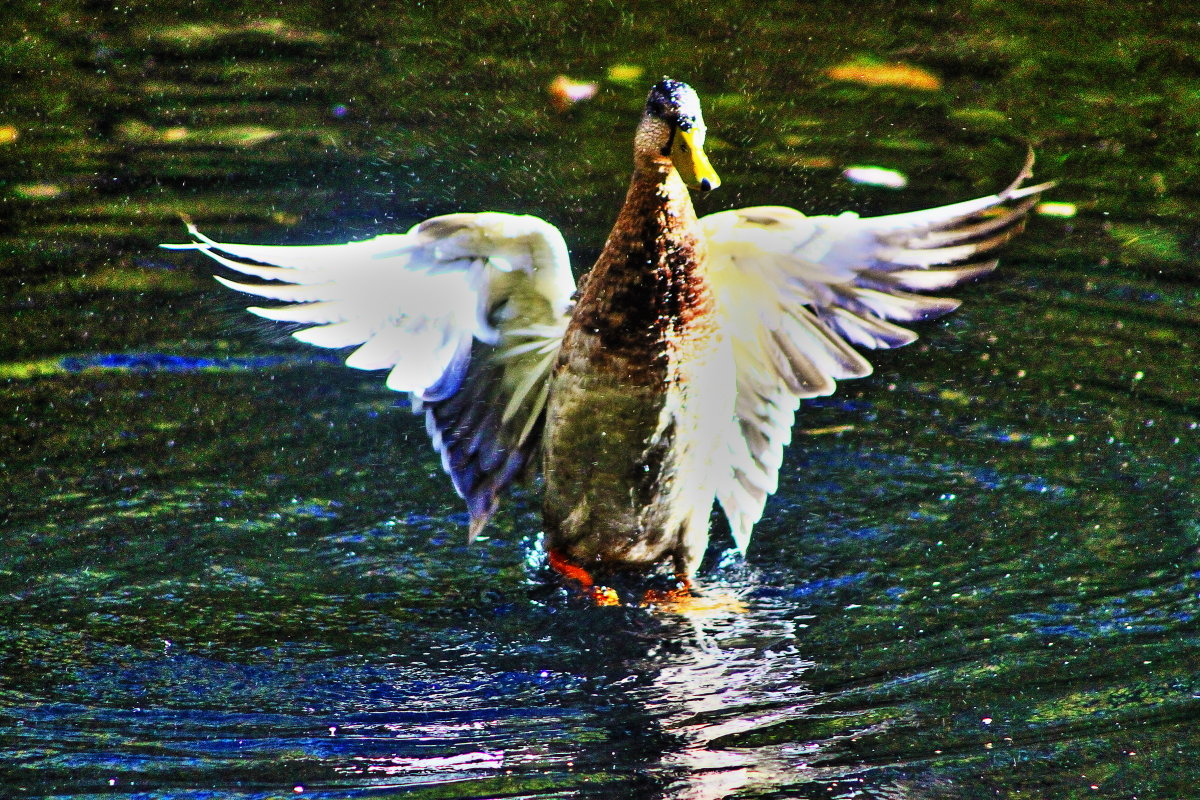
[{"x": 672, "y": 132}]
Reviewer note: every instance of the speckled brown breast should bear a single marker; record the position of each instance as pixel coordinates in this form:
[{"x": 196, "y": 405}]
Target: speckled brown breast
[{"x": 646, "y": 292}]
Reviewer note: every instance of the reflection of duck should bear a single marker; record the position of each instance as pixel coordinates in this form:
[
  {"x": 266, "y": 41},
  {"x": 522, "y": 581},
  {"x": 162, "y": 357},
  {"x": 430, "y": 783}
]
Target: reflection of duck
[{"x": 669, "y": 380}]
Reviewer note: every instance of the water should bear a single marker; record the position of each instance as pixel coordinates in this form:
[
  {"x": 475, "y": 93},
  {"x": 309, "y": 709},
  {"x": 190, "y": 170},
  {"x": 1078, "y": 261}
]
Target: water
[{"x": 232, "y": 569}]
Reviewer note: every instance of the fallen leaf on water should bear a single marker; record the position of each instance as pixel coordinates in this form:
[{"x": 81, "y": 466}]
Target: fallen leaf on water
[
  {"x": 38, "y": 191},
  {"x": 1056, "y": 209},
  {"x": 566, "y": 92},
  {"x": 625, "y": 73},
  {"x": 876, "y": 176},
  {"x": 8, "y": 134},
  {"x": 877, "y": 73}
]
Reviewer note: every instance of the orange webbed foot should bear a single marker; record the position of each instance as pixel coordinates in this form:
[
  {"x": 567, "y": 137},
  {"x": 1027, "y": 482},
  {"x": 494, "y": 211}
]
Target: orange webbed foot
[
  {"x": 682, "y": 593},
  {"x": 599, "y": 595}
]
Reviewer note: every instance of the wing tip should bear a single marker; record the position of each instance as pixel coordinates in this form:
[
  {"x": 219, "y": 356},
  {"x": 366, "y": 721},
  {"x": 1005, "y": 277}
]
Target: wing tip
[
  {"x": 1015, "y": 190},
  {"x": 478, "y": 523},
  {"x": 201, "y": 242}
]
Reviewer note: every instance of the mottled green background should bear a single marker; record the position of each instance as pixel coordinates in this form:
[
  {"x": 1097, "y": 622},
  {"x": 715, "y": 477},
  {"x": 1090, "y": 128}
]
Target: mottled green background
[{"x": 233, "y": 569}]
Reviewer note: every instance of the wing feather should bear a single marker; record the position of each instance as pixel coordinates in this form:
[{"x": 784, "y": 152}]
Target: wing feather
[
  {"x": 798, "y": 293},
  {"x": 465, "y": 311}
]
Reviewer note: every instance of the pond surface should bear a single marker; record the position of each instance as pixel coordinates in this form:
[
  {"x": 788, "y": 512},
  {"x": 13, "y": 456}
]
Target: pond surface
[{"x": 232, "y": 568}]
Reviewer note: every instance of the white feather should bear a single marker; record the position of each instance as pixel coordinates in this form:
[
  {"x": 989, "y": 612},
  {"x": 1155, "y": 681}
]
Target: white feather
[
  {"x": 413, "y": 304},
  {"x": 795, "y": 292}
]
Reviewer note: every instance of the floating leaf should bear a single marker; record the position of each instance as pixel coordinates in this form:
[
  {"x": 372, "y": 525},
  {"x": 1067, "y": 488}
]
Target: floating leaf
[
  {"x": 625, "y": 73},
  {"x": 876, "y": 176},
  {"x": 1056, "y": 209},
  {"x": 566, "y": 92},
  {"x": 8, "y": 134},
  {"x": 877, "y": 73},
  {"x": 38, "y": 191}
]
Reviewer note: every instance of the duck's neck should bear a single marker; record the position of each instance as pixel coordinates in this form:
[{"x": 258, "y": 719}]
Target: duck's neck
[{"x": 649, "y": 289}]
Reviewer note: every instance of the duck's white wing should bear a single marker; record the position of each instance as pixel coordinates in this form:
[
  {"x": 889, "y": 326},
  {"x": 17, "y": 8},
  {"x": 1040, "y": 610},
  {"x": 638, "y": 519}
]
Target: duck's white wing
[
  {"x": 465, "y": 311},
  {"x": 798, "y": 293}
]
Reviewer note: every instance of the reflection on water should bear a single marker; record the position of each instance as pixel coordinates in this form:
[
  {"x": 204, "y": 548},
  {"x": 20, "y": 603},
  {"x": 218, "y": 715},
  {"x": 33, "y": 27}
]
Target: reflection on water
[{"x": 739, "y": 670}]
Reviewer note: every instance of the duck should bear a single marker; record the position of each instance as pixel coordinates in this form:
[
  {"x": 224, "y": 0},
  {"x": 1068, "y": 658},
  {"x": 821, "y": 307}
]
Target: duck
[{"x": 667, "y": 380}]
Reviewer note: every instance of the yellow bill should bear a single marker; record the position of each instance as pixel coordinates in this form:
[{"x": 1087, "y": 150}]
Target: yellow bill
[{"x": 687, "y": 154}]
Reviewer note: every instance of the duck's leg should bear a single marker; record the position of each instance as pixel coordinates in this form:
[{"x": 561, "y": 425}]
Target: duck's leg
[{"x": 600, "y": 595}]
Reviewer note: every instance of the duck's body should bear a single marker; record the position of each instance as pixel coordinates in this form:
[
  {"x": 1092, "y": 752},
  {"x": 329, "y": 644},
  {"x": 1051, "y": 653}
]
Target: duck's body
[
  {"x": 642, "y": 382},
  {"x": 671, "y": 379}
]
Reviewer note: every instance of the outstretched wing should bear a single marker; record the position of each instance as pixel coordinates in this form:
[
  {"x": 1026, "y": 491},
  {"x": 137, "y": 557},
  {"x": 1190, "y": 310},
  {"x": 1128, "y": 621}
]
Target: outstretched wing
[
  {"x": 465, "y": 311},
  {"x": 797, "y": 292}
]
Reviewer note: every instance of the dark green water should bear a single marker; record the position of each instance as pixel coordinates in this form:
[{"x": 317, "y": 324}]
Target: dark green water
[{"x": 231, "y": 569}]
